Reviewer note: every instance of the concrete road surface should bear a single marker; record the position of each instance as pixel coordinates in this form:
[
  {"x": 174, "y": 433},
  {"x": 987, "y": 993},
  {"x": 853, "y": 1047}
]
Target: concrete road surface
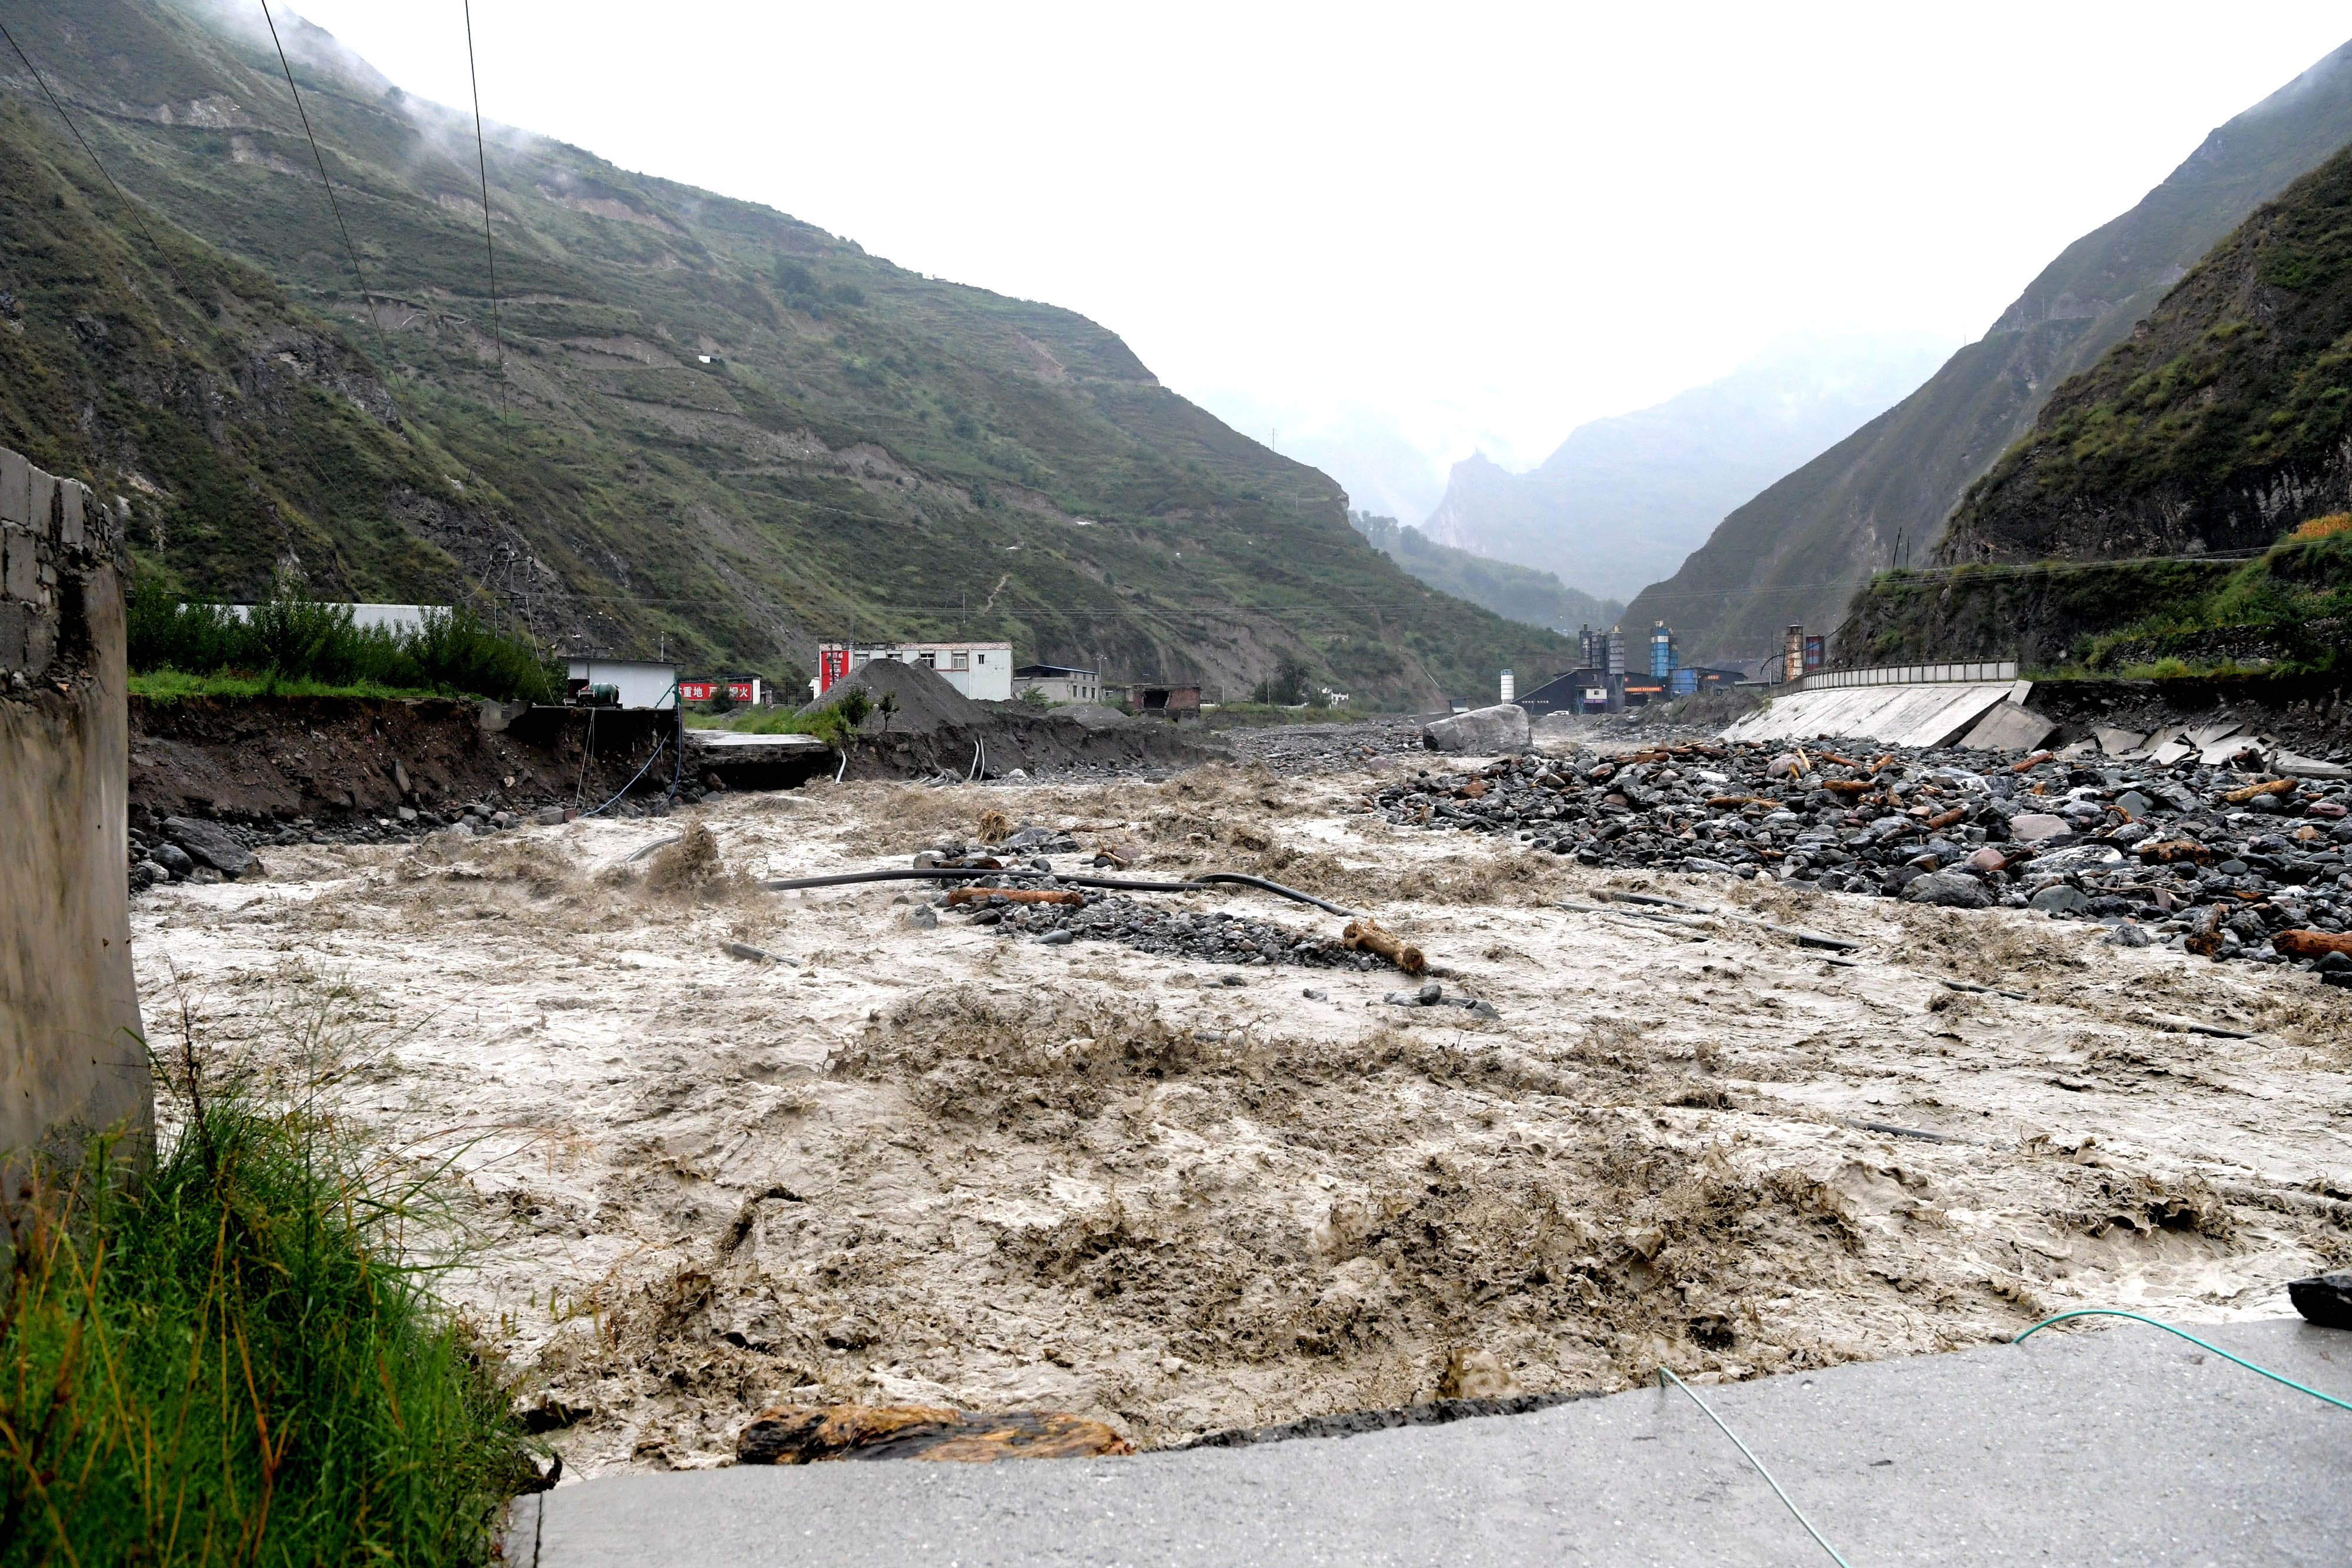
[{"x": 2112, "y": 1445}]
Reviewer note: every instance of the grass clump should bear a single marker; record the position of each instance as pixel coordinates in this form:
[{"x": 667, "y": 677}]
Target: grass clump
[
  {"x": 293, "y": 642},
  {"x": 224, "y": 1360}
]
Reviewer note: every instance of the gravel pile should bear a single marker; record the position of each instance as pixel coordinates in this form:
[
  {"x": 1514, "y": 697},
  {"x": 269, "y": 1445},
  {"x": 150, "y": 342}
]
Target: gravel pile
[
  {"x": 1199, "y": 937},
  {"x": 2213, "y": 861}
]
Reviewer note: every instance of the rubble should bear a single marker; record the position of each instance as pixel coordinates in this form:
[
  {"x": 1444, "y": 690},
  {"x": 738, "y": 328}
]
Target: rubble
[{"x": 2192, "y": 852}]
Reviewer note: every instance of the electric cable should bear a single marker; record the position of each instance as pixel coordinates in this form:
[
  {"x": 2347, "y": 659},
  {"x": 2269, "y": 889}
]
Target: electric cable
[
  {"x": 482, "y": 164},
  {"x": 2192, "y": 1339},
  {"x": 1665, "y": 1376},
  {"x": 350, "y": 249},
  {"x": 658, "y": 747}
]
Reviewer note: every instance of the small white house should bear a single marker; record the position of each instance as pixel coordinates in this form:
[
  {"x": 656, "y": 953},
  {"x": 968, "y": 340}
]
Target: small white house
[
  {"x": 642, "y": 683},
  {"x": 981, "y": 671}
]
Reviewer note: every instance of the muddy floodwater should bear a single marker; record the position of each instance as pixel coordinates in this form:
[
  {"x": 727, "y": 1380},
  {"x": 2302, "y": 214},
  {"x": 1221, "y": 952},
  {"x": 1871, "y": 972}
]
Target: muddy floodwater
[{"x": 901, "y": 1163}]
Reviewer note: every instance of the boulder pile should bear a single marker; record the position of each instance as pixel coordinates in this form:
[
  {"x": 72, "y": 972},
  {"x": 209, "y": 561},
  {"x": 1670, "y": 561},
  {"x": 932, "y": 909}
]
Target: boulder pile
[{"x": 2217, "y": 861}]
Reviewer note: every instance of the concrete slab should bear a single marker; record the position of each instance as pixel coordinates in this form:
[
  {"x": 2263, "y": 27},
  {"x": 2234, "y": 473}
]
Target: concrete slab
[
  {"x": 2118, "y": 742},
  {"x": 1915, "y": 715},
  {"x": 2009, "y": 727},
  {"x": 2112, "y": 1445}
]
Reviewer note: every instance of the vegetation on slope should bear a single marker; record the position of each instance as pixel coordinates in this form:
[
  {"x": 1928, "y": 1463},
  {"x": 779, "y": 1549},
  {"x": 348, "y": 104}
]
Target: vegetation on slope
[
  {"x": 1516, "y": 592},
  {"x": 693, "y": 422},
  {"x": 2223, "y": 417},
  {"x": 225, "y": 1361},
  {"x": 1881, "y": 498},
  {"x": 2284, "y": 612}
]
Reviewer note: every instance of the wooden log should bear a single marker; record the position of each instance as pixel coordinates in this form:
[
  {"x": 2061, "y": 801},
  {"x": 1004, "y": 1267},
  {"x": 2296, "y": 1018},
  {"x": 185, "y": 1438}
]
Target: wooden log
[
  {"x": 2275, "y": 787},
  {"x": 1367, "y": 935},
  {"x": 2312, "y": 944}
]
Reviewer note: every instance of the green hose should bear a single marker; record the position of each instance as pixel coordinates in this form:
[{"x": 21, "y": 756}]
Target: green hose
[{"x": 2192, "y": 1339}]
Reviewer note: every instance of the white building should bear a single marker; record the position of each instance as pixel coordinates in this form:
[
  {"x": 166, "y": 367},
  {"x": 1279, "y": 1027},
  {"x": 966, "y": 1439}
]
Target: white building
[
  {"x": 405, "y": 618},
  {"x": 981, "y": 671},
  {"x": 642, "y": 683},
  {"x": 1059, "y": 683}
]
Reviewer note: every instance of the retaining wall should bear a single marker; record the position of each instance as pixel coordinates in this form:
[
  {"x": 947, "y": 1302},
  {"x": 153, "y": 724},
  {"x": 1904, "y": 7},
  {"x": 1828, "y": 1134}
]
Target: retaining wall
[{"x": 70, "y": 1056}]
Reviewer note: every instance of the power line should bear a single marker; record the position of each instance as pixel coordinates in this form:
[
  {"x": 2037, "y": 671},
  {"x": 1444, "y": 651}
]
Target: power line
[
  {"x": 337, "y": 208},
  {"x": 136, "y": 217},
  {"x": 482, "y": 163}
]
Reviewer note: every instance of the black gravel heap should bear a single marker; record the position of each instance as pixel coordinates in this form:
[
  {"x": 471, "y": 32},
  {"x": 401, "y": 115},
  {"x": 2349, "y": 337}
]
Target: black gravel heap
[
  {"x": 2158, "y": 853},
  {"x": 1203, "y": 938}
]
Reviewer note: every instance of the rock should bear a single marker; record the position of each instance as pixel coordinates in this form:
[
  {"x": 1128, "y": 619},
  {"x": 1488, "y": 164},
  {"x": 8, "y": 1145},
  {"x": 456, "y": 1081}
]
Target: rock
[
  {"x": 407, "y": 813},
  {"x": 2128, "y": 934},
  {"x": 205, "y": 876},
  {"x": 211, "y": 843},
  {"x": 174, "y": 859},
  {"x": 550, "y": 817},
  {"x": 1949, "y": 890},
  {"x": 1056, "y": 939},
  {"x": 2082, "y": 857},
  {"x": 807, "y": 1434},
  {"x": 1989, "y": 859},
  {"x": 1498, "y": 731},
  {"x": 1782, "y": 766},
  {"x": 2032, "y": 827},
  {"x": 2059, "y": 898},
  {"x": 1475, "y": 1375},
  {"x": 146, "y": 874},
  {"x": 2325, "y": 1300},
  {"x": 923, "y": 917},
  {"x": 1018, "y": 776}
]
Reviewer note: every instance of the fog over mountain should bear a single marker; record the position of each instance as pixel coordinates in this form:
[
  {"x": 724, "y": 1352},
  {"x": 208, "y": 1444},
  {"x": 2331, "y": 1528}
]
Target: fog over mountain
[{"x": 1619, "y": 503}]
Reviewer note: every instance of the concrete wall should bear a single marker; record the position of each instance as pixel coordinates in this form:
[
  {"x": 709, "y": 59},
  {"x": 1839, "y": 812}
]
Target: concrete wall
[{"x": 71, "y": 1055}]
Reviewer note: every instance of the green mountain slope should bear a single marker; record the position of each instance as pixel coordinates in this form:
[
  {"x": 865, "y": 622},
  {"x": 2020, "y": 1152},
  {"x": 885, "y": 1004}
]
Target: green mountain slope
[
  {"x": 1516, "y": 592},
  {"x": 1799, "y": 550},
  {"x": 2221, "y": 422},
  {"x": 715, "y": 428}
]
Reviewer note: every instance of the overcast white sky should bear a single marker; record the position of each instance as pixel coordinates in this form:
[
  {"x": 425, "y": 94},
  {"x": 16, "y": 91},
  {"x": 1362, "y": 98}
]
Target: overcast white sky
[{"x": 1464, "y": 226}]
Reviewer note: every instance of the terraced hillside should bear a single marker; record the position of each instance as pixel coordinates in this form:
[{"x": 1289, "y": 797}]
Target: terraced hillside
[{"x": 689, "y": 421}]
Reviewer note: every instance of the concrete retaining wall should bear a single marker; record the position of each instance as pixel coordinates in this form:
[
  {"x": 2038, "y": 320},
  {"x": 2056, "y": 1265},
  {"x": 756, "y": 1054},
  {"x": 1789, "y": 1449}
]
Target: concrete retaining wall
[{"x": 70, "y": 1057}]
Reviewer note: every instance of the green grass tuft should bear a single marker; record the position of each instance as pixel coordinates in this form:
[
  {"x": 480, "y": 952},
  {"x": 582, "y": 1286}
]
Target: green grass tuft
[{"x": 224, "y": 1360}]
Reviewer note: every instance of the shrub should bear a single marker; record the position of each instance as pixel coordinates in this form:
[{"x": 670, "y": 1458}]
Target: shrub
[
  {"x": 2322, "y": 527},
  {"x": 293, "y": 637}
]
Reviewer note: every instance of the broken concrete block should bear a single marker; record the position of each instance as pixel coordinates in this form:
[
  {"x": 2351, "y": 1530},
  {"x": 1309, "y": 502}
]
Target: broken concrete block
[
  {"x": 2118, "y": 742},
  {"x": 1482, "y": 732},
  {"x": 2032, "y": 827},
  {"x": 2009, "y": 727}
]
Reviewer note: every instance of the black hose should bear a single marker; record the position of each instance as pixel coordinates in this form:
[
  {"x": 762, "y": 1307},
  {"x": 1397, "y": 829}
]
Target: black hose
[
  {"x": 935, "y": 873},
  {"x": 1277, "y": 887}
]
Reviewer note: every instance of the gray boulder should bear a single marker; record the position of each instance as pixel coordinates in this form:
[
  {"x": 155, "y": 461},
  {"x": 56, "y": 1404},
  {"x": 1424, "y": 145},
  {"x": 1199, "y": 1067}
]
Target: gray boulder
[
  {"x": 175, "y": 861},
  {"x": 211, "y": 844},
  {"x": 1949, "y": 889},
  {"x": 1495, "y": 731},
  {"x": 2323, "y": 1299}
]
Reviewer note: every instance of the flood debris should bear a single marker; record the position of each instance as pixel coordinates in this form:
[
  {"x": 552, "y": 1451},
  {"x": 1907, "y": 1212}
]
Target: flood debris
[
  {"x": 1367, "y": 935},
  {"x": 812, "y": 1434},
  {"x": 2182, "y": 848}
]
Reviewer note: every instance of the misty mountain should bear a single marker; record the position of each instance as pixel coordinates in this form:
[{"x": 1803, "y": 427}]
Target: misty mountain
[
  {"x": 1623, "y": 499},
  {"x": 1518, "y": 592},
  {"x": 1798, "y": 551},
  {"x": 682, "y": 420}
]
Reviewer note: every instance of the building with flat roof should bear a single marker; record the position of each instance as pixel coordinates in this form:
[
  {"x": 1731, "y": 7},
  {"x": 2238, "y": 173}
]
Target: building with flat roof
[
  {"x": 1059, "y": 683},
  {"x": 642, "y": 683},
  {"x": 981, "y": 670}
]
